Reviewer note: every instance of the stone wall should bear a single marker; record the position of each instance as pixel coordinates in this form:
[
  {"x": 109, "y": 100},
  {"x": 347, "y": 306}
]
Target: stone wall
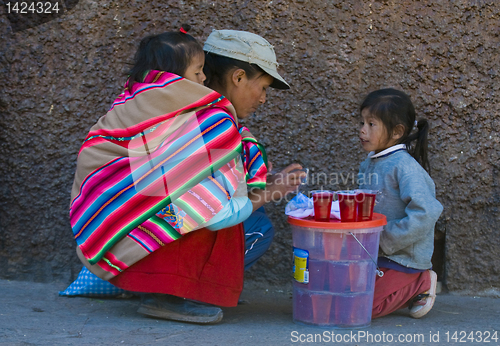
[{"x": 62, "y": 75}]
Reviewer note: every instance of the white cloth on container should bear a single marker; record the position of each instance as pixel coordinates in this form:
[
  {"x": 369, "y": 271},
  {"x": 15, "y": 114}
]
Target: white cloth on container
[{"x": 301, "y": 206}]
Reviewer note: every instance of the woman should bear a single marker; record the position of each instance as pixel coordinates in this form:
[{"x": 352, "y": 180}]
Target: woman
[{"x": 160, "y": 192}]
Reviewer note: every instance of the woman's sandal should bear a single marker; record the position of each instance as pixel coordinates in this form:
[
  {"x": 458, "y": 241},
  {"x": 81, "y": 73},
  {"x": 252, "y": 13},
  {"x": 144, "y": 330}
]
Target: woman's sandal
[
  {"x": 422, "y": 304},
  {"x": 174, "y": 308}
]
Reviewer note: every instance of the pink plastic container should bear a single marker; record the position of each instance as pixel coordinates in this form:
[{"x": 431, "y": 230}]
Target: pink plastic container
[{"x": 339, "y": 293}]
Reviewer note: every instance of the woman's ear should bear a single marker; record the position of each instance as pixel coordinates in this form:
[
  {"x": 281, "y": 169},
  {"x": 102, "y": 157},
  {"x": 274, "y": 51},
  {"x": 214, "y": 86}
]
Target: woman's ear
[
  {"x": 237, "y": 76},
  {"x": 398, "y": 132}
]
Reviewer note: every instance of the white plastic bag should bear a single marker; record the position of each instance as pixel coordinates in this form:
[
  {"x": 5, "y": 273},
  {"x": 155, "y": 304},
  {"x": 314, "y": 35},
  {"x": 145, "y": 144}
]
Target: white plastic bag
[{"x": 301, "y": 206}]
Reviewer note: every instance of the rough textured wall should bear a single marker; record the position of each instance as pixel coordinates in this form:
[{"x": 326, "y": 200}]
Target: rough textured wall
[{"x": 61, "y": 76}]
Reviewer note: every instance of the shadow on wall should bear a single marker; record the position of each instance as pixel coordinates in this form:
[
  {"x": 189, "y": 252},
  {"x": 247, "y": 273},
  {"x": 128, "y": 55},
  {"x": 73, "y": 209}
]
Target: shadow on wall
[
  {"x": 23, "y": 15},
  {"x": 438, "y": 257}
]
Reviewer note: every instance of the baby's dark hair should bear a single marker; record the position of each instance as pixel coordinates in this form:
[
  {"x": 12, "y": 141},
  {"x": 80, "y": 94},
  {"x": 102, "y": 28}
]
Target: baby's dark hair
[
  {"x": 217, "y": 67},
  {"x": 170, "y": 52},
  {"x": 394, "y": 107}
]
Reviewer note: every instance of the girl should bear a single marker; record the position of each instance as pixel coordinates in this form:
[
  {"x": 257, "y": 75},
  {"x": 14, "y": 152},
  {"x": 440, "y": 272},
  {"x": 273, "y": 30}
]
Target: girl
[
  {"x": 174, "y": 52},
  {"x": 398, "y": 167}
]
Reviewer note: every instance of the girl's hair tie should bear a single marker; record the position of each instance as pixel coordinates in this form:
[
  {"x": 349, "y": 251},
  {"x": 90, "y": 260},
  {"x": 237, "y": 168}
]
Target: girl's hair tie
[{"x": 185, "y": 28}]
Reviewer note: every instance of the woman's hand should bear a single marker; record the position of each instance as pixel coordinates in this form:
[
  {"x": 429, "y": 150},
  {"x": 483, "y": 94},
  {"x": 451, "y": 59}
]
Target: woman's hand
[
  {"x": 284, "y": 182},
  {"x": 278, "y": 186}
]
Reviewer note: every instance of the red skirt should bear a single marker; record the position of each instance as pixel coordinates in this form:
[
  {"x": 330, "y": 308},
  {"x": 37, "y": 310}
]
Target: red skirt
[
  {"x": 203, "y": 265},
  {"x": 395, "y": 289}
]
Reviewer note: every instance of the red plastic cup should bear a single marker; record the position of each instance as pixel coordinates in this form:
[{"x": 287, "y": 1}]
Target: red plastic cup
[
  {"x": 332, "y": 243},
  {"x": 353, "y": 310},
  {"x": 302, "y": 304},
  {"x": 347, "y": 205},
  {"x": 365, "y": 200},
  {"x": 354, "y": 250},
  {"x": 358, "y": 275},
  {"x": 338, "y": 277},
  {"x": 321, "y": 305},
  {"x": 322, "y": 200},
  {"x": 318, "y": 275}
]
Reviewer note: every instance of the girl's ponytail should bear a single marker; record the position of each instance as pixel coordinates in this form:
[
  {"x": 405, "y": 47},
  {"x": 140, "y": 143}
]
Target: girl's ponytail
[{"x": 419, "y": 149}]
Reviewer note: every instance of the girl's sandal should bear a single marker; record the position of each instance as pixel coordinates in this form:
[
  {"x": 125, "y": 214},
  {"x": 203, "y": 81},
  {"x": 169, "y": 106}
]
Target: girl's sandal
[{"x": 422, "y": 304}]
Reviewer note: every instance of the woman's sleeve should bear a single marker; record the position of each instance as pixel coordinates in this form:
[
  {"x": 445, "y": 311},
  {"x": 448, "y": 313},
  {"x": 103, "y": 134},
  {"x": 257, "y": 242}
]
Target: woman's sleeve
[
  {"x": 422, "y": 210},
  {"x": 236, "y": 211},
  {"x": 254, "y": 159}
]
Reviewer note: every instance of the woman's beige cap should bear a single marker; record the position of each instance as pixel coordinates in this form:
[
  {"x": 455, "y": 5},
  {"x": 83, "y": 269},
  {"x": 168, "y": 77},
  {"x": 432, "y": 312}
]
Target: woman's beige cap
[{"x": 248, "y": 47}]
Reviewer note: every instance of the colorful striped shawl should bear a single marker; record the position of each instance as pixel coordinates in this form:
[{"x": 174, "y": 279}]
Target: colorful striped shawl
[
  {"x": 162, "y": 162},
  {"x": 254, "y": 159}
]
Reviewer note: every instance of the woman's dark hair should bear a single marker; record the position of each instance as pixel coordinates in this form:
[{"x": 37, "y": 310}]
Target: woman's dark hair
[
  {"x": 170, "y": 52},
  {"x": 394, "y": 107},
  {"x": 217, "y": 67}
]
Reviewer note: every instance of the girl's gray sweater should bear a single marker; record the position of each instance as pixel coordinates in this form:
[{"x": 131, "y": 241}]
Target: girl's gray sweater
[{"x": 408, "y": 200}]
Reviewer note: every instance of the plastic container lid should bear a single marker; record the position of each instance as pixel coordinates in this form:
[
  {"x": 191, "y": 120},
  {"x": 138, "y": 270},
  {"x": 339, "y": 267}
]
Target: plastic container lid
[
  {"x": 300, "y": 253},
  {"x": 377, "y": 221}
]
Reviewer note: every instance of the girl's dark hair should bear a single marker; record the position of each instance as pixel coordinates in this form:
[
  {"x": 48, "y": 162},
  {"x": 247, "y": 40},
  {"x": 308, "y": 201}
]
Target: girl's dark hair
[
  {"x": 394, "y": 107},
  {"x": 217, "y": 67},
  {"x": 170, "y": 52}
]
